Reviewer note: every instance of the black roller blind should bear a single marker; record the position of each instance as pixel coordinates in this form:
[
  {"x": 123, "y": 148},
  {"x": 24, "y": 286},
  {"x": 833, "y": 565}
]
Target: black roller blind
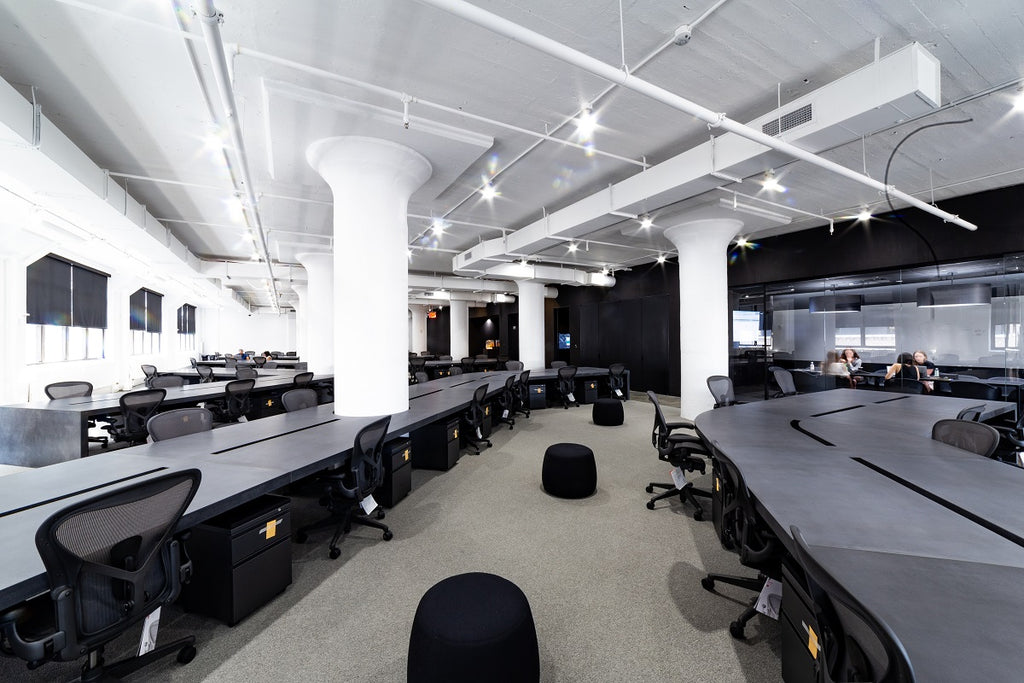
[
  {"x": 187, "y": 319},
  {"x": 88, "y": 298},
  {"x": 49, "y": 292},
  {"x": 137, "y": 310},
  {"x": 65, "y": 293},
  {"x": 154, "y": 312}
]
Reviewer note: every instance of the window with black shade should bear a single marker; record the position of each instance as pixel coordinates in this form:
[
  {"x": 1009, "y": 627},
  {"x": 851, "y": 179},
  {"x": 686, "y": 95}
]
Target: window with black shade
[
  {"x": 66, "y": 304},
  {"x": 187, "y": 328},
  {"x": 145, "y": 320}
]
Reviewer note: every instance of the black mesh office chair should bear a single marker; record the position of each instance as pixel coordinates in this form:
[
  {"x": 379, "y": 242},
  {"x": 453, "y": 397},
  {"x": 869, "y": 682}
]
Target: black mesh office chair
[
  {"x": 110, "y": 561},
  {"x": 302, "y": 379},
  {"x": 346, "y": 488},
  {"x": 455, "y": 370},
  {"x": 978, "y": 390},
  {"x": 976, "y": 437},
  {"x": 417, "y": 364},
  {"x": 205, "y": 373},
  {"x": 193, "y": 363},
  {"x": 523, "y": 394},
  {"x": 230, "y": 362},
  {"x": 514, "y": 365},
  {"x": 179, "y": 422},
  {"x": 567, "y": 386},
  {"x": 166, "y": 382},
  {"x": 617, "y": 379},
  {"x": 740, "y": 528},
  {"x": 270, "y": 365},
  {"x": 235, "y": 403},
  {"x": 299, "y": 399},
  {"x": 242, "y": 372},
  {"x": 250, "y": 354},
  {"x": 507, "y": 402},
  {"x": 784, "y": 378},
  {"x": 720, "y": 387},
  {"x": 556, "y": 364},
  {"x": 854, "y": 643},
  {"x": 259, "y": 361},
  {"x": 150, "y": 372},
  {"x": 421, "y": 377},
  {"x": 679, "y": 450},
  {"x": 276, "y": 354},
  {"x": 75, "y": 389},
  {"x": 136, "y": 409},
  {"x": 473, "y": 421},
  {"x": 971, "y": 413},
  {"x": 467, "y": 364},
  {"x": 444, "y": 357}
]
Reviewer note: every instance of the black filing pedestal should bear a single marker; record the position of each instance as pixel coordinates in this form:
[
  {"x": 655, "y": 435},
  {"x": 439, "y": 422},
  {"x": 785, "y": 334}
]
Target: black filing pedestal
[
  {"x": 589, "y": 390},
  {"x": 436, "y": 446},
  {"x": 241, "y": 559},
  {"x": 397, "y": 473},
  {"x": 796, "y": 619},
  {"x": 538, "y": 396}
]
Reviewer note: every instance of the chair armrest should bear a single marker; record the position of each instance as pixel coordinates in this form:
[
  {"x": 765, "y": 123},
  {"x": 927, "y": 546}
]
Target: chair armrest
[{"x": 681, "y": 424}]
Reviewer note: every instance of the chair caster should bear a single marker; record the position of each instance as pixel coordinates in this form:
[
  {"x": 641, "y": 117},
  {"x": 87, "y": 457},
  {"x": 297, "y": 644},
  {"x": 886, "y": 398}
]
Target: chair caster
[
  {"x": 649, "y": 489},
  {"x": 186, "y": 654},
  {"x": 707, "y": 583},
  {"x": 698, "y": 515},
  {"x": 380, "y": 514},
  {"x": 736, "y": 631},
  {"x": 650, "y": 505},
  {"x": 334, "y": 553},
  {"x": 301, "y": 537},
  {"x": 388, "y": 535}
]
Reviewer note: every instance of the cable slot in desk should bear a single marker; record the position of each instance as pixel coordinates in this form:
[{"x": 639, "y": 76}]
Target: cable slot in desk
[
  {"x": 275, "y": 436},
  {"x": 80, "y": 492},
  {"x": 977, "y": 519},
  {"x": 795, "y": 424},
  {"x": 837, "y": 410},
  {"x": 429, "y": 393},
  {"x": 890, "y": 400}
]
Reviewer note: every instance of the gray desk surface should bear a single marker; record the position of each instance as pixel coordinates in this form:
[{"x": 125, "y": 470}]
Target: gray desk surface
[
  {"x": 901, "y": 553},
  {"x": 239, "y": 463}
]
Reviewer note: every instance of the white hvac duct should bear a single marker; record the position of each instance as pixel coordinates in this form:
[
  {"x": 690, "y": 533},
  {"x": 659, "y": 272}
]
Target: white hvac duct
[
  {"x": 457, "y": 284},
  {"x": 551, "y": 275},
  {"x": 594, "y": 66},
  {"x": 476, "y": 297}
]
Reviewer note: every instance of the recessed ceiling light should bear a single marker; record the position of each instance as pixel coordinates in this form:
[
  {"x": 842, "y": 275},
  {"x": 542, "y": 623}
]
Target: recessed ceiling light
[
  {"x": 864, "y": 216},
  {"x": 645, "y": 221},
  {"x": 487, "y": 191},
  {"x": 661, "y": 258},
  {"x": 586, "y": 123},
  {"x": 572, "y": 247}
]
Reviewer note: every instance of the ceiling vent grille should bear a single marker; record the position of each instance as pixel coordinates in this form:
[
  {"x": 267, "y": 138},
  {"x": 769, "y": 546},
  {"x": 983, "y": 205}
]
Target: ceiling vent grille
[{"x": 789, "y": 121}]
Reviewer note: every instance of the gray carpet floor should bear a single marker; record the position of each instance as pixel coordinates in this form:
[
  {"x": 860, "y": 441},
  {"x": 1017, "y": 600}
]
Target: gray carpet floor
[{"x": 614, "y": 587}]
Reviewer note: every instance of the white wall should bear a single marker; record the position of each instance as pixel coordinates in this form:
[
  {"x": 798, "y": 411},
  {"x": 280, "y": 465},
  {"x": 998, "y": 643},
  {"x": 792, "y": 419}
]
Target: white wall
[{"x": 228, "y": 330}]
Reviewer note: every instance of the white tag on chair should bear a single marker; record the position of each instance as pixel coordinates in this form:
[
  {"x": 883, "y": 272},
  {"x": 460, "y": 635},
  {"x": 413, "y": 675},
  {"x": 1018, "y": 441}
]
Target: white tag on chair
[
  {"x": 679, "y": 478},
  {"x": 368, "y": 504},
  {"x": 149, "y": 628},
  {"x": 479, "y": 434},
  {"x": 618, "y": 392},
  {"x": 770, "y": 599},
  {"x": 571, "y": 397},
  {"x": 504, "y": 414}
]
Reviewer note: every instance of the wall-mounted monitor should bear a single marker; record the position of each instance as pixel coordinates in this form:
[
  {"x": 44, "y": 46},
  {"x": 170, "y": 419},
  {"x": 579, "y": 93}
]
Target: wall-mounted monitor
[
  {"x": 747, "y": 328},
  {"x": 563, "y": 340}
]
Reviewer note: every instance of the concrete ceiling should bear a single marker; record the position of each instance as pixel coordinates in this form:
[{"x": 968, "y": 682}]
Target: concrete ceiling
[{"x": 116, "y": 77}]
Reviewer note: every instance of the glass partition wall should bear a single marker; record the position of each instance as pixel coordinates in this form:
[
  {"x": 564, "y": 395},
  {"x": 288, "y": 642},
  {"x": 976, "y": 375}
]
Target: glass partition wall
[{"x": 966, "y": 317}]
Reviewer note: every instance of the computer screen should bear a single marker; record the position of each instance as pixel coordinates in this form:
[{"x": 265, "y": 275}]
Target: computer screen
[
  {"x": 563, "y": 340},
  {"x": 747, "y": 328}
]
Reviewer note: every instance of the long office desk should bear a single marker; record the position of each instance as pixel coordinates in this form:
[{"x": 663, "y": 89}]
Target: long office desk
[
  {"x": 287, "y": 363},
  {"x": 922, "y": 533},
  {"x": 42, "y": 433},
  {"x": 239, "y": 463}
]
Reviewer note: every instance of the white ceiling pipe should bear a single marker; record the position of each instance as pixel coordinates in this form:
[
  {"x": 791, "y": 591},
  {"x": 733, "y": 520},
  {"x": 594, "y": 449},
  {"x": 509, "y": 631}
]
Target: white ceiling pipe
[
  {"x": 594, "y": 66},
  {"x": 464, "y": 284},
  {"x": 210, "y": 22}
]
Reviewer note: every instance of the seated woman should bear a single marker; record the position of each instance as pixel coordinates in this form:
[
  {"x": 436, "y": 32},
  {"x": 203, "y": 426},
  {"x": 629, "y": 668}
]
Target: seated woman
[
  {"x": 834, "y": 366},
  {"x": 851, "y": 359},
  {"x": 903, "y": 370},
  {"x": 925, "y": 367}
]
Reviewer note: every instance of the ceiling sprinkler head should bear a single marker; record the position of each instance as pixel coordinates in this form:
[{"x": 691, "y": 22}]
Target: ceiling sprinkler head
[{"x": 682, "y": 35}]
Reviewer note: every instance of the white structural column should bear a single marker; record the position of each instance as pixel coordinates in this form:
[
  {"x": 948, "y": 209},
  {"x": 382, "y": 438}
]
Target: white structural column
[
  {"x": 301, "y": 318},
  {"x": 703, "y": 307},
  {"x": 319, "y": 333},
  {"x": 459, "y": 326},
  {"x": 418, "y": 327},
  {"x": 372, "y": 180},
  {"x": 531, "y": 324}
]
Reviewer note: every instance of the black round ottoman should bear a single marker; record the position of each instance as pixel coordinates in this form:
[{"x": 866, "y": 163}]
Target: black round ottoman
[
  {"x": 473, "y": 627},
  {"x": 569, "y": 470},
  {"x": 608, "y": 412}
]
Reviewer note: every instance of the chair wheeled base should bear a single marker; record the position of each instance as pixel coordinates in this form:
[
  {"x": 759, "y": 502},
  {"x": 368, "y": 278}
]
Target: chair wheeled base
[{"x": 756, "y": 584}]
